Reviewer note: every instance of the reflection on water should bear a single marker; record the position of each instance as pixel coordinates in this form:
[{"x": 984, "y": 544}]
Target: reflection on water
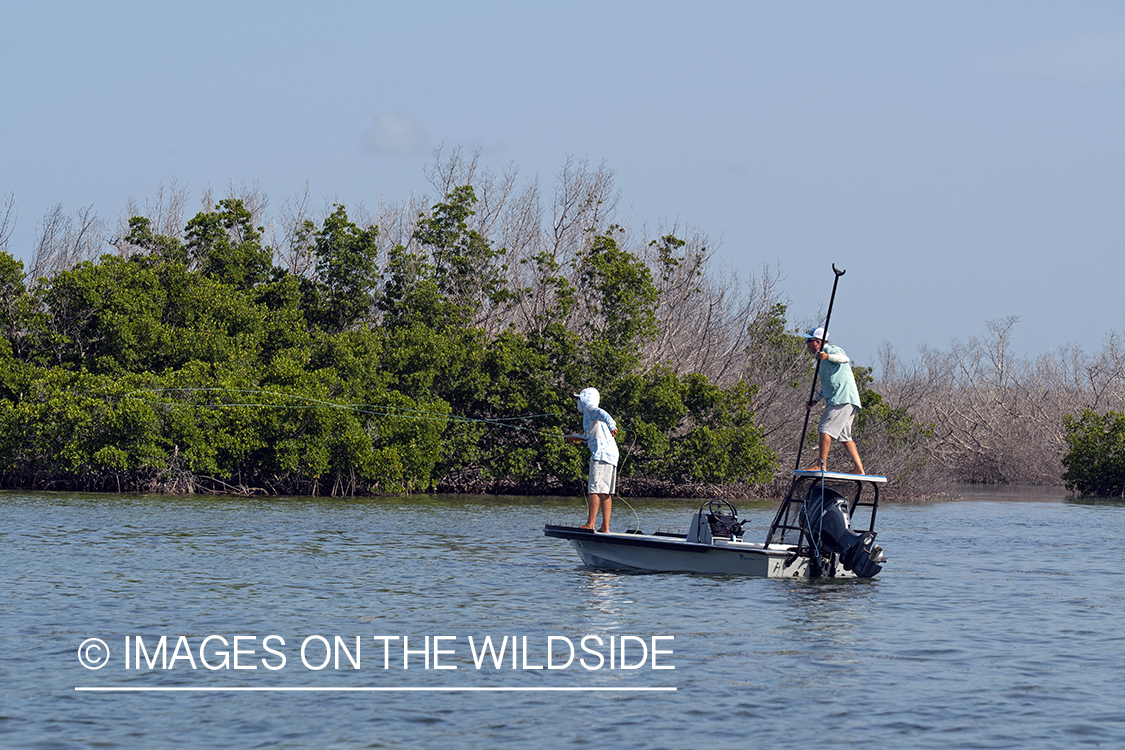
[
  {"x": 1011, "y": 493},
  {"x": 830, "y": 611},
  {"x": 995, "y": 624},
  {"x": 1112, "y": 502},
  {"x": 602, "y": 593}
]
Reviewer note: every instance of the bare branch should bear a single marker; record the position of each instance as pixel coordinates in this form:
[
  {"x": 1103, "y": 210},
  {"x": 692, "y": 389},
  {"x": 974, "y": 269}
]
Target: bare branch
[
  {"x": 65, "y": 241},
  {"x": 8, "y": 216}
]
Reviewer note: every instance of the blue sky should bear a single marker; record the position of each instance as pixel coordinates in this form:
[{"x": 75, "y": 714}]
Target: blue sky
[{"x": 963, "y": 161}]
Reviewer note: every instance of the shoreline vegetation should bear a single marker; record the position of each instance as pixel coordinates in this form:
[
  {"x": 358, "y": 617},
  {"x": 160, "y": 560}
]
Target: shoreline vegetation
[{"x": 433, "y": 345}]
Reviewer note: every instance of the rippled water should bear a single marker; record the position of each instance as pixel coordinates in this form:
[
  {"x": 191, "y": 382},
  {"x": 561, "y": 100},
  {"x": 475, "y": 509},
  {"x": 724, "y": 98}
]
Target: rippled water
[{"x": 995, "y": 624}]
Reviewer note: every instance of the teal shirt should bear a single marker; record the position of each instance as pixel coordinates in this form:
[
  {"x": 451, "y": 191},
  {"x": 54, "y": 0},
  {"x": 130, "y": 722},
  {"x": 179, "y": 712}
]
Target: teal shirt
[{"x": 837, "y": 383}]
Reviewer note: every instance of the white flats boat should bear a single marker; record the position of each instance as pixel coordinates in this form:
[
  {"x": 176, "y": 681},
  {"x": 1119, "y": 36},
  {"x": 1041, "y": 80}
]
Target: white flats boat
[{"x": 813, "y": 535}]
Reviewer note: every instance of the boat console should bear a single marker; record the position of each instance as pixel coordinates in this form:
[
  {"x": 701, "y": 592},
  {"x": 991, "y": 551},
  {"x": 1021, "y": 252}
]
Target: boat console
[{"x": 716, "y": 519}]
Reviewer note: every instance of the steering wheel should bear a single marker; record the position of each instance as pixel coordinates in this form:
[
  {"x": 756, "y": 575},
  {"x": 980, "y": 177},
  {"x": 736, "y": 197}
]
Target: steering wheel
[{"x": 717, "y": 507}]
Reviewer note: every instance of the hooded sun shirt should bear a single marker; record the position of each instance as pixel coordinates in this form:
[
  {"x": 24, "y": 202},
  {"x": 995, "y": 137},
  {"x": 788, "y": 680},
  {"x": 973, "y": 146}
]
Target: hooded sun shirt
[{"x": 597, "y": 426}]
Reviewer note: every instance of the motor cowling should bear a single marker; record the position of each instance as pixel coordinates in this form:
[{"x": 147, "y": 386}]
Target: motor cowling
[{"x": 824, "y": 517}]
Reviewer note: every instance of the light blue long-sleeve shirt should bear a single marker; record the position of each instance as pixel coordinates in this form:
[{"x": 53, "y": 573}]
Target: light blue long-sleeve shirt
[
  {"x": 597, "y": 428},
  {"x": 837, "y": 381}
]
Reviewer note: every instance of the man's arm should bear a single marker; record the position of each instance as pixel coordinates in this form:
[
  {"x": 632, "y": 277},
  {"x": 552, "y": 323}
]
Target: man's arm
[{"x": 603, "y": 415}]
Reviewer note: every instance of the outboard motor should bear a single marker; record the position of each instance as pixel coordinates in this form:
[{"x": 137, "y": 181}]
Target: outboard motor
[{"x": 824, "y": 517}]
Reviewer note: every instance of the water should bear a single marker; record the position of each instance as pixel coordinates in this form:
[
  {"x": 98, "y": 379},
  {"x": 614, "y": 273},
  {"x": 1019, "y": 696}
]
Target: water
[{"x": 995, "y": 624}]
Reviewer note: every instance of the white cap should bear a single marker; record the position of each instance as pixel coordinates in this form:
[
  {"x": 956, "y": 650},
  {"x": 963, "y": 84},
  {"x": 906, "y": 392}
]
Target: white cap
[{"x": 816, "y": 333}]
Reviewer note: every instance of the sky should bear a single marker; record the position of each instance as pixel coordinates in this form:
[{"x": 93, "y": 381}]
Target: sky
[{"x": 962, "y": 161}]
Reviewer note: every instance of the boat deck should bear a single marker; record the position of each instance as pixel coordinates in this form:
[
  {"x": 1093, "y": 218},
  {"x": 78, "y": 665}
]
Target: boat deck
[
  {"x": 840, "y": 475},
  {"x": 660, "y": 540}
]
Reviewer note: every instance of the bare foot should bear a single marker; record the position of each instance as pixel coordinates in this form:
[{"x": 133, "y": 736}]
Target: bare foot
[
  {"x": 603, "y": 530},
  {"x": 587, "y": 527}
]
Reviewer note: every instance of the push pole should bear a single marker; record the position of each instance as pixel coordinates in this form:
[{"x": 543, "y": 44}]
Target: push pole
[{"x": 816, "y": 371}]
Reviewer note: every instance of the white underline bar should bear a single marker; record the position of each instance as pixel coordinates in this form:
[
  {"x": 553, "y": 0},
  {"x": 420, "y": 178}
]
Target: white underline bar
[{"x": 373, "y": 689}]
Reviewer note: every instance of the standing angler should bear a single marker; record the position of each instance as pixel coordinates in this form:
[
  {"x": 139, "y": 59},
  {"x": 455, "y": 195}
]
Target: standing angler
[
  {"x": 841, "y": 398},
  {"x": 598, "y": 431}
]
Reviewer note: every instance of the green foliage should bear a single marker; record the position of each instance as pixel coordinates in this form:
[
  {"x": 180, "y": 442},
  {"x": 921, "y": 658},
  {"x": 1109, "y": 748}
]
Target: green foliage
[
  {"x": 156, "y": 246},
  {"x": 410, "y": 294},
  {"x": 342, "y": 294},
  {"x": 466, "y": 269},
  {"x": 1095, "y": 457},
  {"x": 227, "y": 247},
  {"x": 106, "y": 315},
  {"x": 196, "y": 365},
  {"x": 548, "y": 276},
  {"x": 619, "y": 289},
  {"x": 690, "y": 430},
  {"x": 451, "y": 278},
  {"x": 772, "y": 343},
  {"x": 16, "y": 304}
]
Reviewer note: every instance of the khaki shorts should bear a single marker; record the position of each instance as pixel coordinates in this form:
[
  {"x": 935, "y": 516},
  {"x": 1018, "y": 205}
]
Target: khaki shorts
[
  {"x": 603, "y": 478},
  {"x": 836, "y": 422}
]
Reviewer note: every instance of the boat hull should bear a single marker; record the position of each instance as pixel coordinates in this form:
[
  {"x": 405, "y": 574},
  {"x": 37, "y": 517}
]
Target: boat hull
[{"x": 661, "y": 554}]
